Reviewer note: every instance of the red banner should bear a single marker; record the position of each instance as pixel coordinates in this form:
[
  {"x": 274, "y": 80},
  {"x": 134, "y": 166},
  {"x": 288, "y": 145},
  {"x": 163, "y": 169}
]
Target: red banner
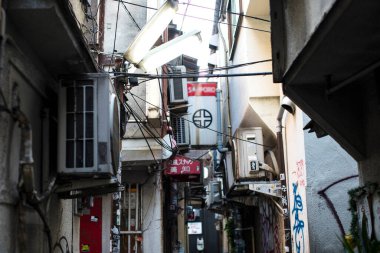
[
  {"x": 201, "y": 89},
  {"x": 183, "y": 169}
]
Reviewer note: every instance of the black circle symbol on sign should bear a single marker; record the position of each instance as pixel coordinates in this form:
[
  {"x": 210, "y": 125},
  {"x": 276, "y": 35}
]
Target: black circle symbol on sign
[{"x": 202, "y": 118}]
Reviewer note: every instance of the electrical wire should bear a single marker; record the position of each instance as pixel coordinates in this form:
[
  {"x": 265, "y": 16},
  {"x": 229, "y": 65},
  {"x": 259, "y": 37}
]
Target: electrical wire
[
  {"x": 152, "y": 127},
  {"x": 229, "y": 12},
  {"x": 205, "y": 19},
  {"x": 114, "y": 39},
  {"x": 139, "y": 121},
  {"x": 221, "y": 68},
  {"x": 184, "y": 16},
  {"x": 147, "y": 142},
  {"x": 163, "y": 102},
  {"x": 148, "y": 130},
  {"x": 47, "y": 230},
  {"x": 226, "y": 67},
  {"x": 213, "y": 130},
  {"x": 130, "y": 15}
]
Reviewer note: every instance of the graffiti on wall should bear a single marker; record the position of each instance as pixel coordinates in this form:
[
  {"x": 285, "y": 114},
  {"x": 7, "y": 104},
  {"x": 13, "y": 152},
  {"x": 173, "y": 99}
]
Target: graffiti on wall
[
  {"x": 299, "y": 224},
  {"x": 299, "y": 173},
  {"x": 297, "y": 206},
  {"x": 271, "y": 242}
]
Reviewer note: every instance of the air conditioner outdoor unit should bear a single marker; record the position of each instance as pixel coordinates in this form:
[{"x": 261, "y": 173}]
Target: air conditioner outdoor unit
[
  {"x": 181, "y": 130},
  {"x": 250, "y": 152},
  {"x": 89, "y": 127},
  {"x": 178, "y": 86}
]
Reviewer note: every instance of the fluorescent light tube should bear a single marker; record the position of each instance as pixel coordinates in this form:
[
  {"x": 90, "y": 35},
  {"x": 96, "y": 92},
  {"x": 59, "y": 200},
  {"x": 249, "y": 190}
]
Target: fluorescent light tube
[
  {"x": 150, "y": 33},
  {"x": 170, "y": 50}
]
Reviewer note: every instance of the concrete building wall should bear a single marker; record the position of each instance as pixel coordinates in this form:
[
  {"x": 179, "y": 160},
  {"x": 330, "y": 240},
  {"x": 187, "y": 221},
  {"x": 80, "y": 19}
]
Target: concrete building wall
[
  {"x": 25, "y": 81},
  {"x": 302, "y": 19},
  {"x": 23, "y": 78},
  {"x": 327, "y": 163},
  {"x": 369, "y": 167},
  {"x": 126, "y": 28},
  {"x": 152, "y": 223}
]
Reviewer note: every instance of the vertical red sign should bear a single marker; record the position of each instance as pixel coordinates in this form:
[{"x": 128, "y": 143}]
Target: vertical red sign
[{"x": 91, "y": 229}]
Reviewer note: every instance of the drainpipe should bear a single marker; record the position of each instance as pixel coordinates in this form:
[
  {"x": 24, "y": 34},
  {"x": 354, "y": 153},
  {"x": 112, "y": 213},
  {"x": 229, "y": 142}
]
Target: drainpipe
[
  {"x": 26, "y": 170},
  {"x": 219, "y": 121},
  {"x": 288, "y": 105}
]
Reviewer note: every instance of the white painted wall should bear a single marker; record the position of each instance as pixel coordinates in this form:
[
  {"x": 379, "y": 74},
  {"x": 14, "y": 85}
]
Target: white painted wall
[
  {"x": 107, "y": 203},
  {"x": 152, "y": 223},
  {"x": 297, "y": 180},
  {"x": 251, "y": 46}
]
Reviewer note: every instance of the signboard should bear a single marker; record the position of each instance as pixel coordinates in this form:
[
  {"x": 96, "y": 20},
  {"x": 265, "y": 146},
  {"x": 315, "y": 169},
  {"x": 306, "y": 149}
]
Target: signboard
[
  {"x": 201, "y": 89},
  {"x": 202, "y": 113},
  {"x": 194, "y": 228},
  {"x": 183, "y": 169}
]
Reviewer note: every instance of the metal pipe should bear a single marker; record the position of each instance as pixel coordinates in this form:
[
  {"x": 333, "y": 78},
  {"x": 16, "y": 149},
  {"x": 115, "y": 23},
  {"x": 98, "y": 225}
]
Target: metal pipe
[
  {"x": 281, "y": 164},
  {"x": 129, "y": 217},
  {"x": 219, "y": 122},
  {"x": 137, "y": 206},
  {"x": 222, "y": 14}
]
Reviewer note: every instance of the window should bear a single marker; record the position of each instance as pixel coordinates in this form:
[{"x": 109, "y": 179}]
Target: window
[{"x": 130, "y": 229}]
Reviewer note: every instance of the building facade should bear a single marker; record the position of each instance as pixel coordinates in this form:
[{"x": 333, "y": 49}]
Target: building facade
[
  {"x": 282, "y": 222},
  {"x": 323, "y": 70},
  {"x": 41, "y": 41}
]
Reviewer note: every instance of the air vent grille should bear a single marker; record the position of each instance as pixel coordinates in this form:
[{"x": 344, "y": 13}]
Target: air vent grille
[
  {"x": 80, "y": 124},
  {"x": 180, "y": 126}
]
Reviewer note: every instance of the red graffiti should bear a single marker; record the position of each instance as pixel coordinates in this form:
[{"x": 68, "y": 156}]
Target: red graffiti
[{"x": 299, "y": 173}]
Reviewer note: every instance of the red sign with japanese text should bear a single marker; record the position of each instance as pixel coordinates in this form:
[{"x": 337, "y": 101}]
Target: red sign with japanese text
[
  {"x": 183, "y": 169},
  {"x": 201, "y": 89}
]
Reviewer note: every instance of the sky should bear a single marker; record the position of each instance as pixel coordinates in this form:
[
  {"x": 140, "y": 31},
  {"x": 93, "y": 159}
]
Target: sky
[{"x": 188, "y": 23}]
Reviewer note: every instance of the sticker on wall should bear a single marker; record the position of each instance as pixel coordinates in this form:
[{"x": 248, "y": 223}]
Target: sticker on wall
[{"x": 85, "y": 248}]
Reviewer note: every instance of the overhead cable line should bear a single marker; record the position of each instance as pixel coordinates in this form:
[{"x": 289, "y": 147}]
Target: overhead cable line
[
  {"x": 229, "y": 12},
  {"x": 140, "y": 124},
  {"x": 147, "y": 129},
  {"x": 179, "y": 76},
  {"x": 146, "y": 140},
  {"x": 213, "y": 130},
  {"x": 227, "y": 67},
  {"x": 205, "y": 19},
  {"x": 164, "y": 144},
  {"x": 148, "y": 78}
]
